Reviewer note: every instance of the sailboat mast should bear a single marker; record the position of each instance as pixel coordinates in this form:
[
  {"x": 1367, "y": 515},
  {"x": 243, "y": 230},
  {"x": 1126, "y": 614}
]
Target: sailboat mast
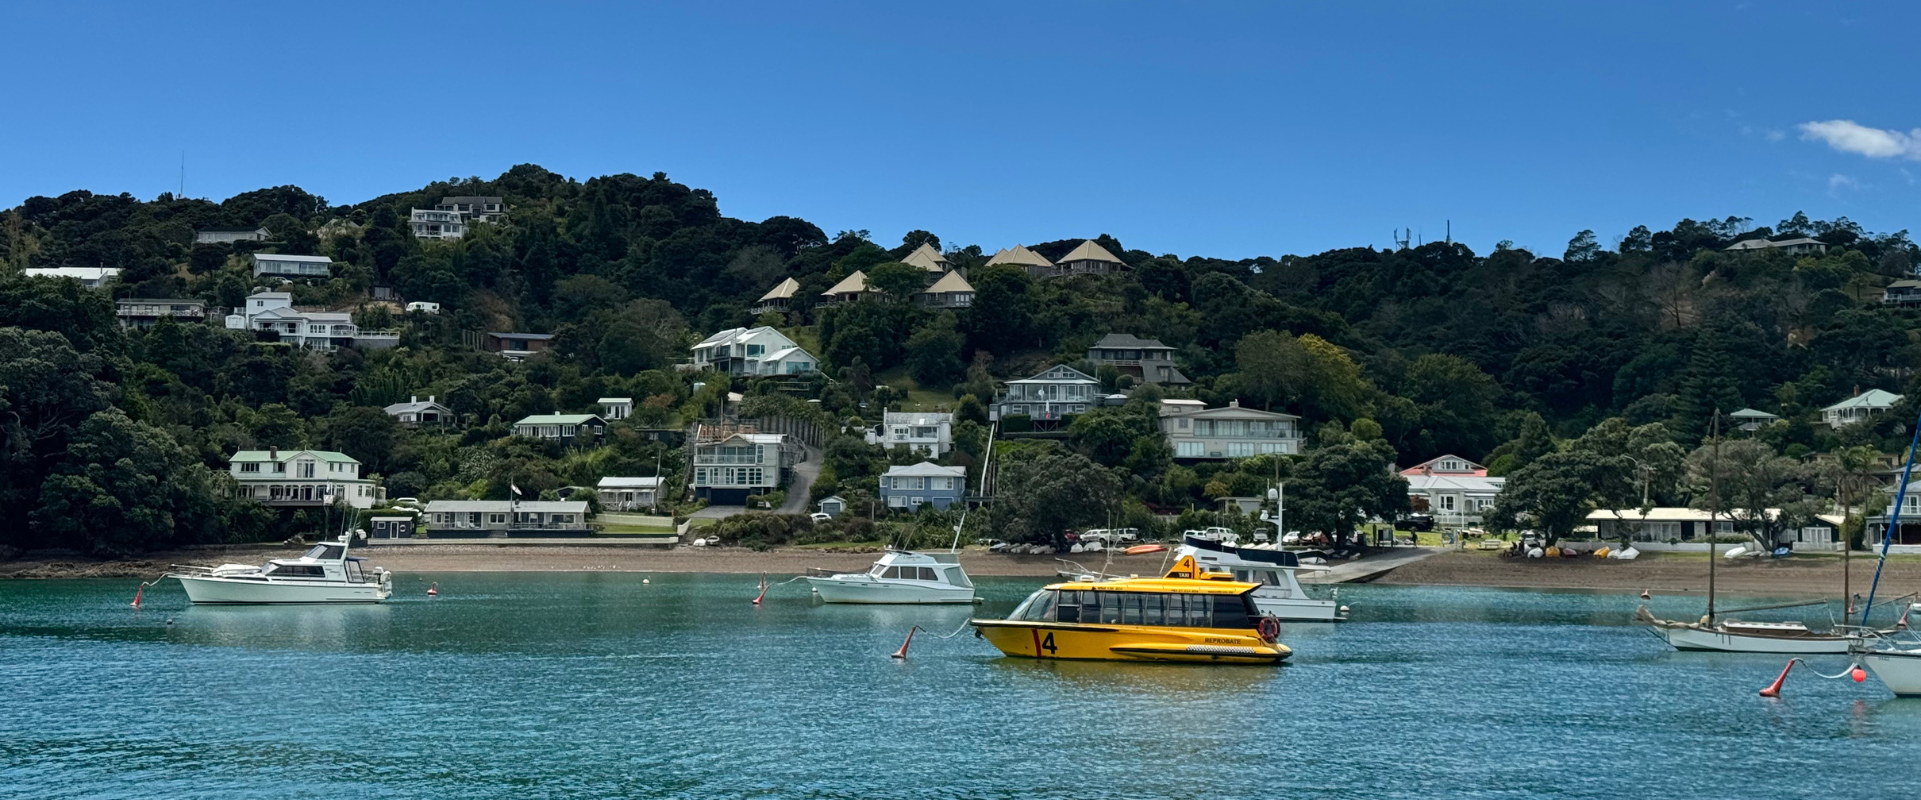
[{"x": 1714, "y": 501}]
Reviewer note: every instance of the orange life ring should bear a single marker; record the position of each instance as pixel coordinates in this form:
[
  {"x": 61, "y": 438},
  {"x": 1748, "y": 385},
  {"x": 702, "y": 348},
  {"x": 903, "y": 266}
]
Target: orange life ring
[{"x": 1269, "y": 628}]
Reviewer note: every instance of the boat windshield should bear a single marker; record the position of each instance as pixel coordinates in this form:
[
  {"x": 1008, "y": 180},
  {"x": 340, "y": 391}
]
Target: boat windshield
[
  {"x": 1140, "y": 608},
  {"x": 329, "y": 552},
  {"x": 907, "y": 574}
]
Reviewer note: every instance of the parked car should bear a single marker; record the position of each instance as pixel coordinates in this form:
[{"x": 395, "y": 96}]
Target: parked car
[
  {"x": 820, "y": 517},
  {"x": 1418, "y": 522}
]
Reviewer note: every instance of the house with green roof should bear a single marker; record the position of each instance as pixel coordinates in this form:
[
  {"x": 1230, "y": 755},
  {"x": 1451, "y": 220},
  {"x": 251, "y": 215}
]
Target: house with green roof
[
  {"x": 564, "y": 428},
  {"x": 1859, "y": 407},
  {"x": 302, "y": 478}
]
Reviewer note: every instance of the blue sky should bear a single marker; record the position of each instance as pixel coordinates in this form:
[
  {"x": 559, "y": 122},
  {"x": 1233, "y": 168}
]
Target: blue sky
[{"x": 1220, "y": 129}]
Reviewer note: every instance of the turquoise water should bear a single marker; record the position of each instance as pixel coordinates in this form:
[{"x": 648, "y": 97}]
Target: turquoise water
[{"x": 595, "y": 685}]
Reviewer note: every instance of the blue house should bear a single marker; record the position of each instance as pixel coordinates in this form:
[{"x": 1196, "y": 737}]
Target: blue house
[{"x": 908, "y": 488}]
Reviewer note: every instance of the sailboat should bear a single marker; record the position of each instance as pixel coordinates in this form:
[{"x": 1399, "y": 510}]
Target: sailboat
[
  {"x": 1896, "y": 661},
  {"x": 1737, "y": 636}
]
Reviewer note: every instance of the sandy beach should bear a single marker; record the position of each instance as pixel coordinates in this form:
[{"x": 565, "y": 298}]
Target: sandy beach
[{"x": 1661, "y": 574}]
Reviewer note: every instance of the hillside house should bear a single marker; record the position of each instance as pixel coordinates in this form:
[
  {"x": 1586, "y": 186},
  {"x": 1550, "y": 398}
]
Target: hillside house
[
  {"x": 417, "y": 412},
  {"x": 949, "y": 291},
  {"x": 1902, "y": 293},
  {"x": 518, "y": 346},
  {"x": 1859, "y": 408},
  {"x": 850, "y": 289},
  {"x": 503, "y": 518},
  {"x": 1147, "y": 360},
  {"x": 615, "y": 409},
  {"x": 143, "y": 312},
  {"x": 230, "y": 235},
  {"x": 1230, "y": 432},
  {"x": 473, "y": 208},
  {"x": 287, "y": 266},
  {"x": 1036, "y": 265},
  {"x": 1089, "y": 259},
  {"x": 777, "y": 298},
  {"x": 1050, "y": 396},
  {"x": 922, "y": 431},
  {"x": 90, "y": 277},
  {"x": 1456, "y": 491},
  {"x": 753, "y": 351},
  {"x": 301, "y": 478},
  {"x": 1798, "y": 246},
  {"x": 733, "y": 462},
  {"x": 907, "y": 488},
  {"x": 275, "y": 313},
  {"x": 1751, "y": 420},
  {"x": 928, "y": 259},
  {"x": 423, "y": 307},
  {"x": 584, "y": 429},
  {"x": 628, "y": 494},
  {"x": 429, "y": 223}
]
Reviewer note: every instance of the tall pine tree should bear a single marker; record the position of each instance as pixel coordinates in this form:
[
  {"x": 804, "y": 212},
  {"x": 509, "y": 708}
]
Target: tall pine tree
[{"x": 1708, "y": 384}]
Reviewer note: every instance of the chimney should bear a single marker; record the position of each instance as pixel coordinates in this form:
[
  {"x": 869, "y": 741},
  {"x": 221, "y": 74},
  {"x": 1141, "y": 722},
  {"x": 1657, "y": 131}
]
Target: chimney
[
  {"x": 273, "y": 453},
  {"x": 413, "y": 398},
  {"x": 1234, "y": 403},
  {"x": 430, "y": 398}
]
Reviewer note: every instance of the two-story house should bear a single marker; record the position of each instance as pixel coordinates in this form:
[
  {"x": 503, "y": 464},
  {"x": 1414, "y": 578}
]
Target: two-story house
[
  {"x": 1908, "y": 538},
  {"x": 1036, "y": 265},
  {"x": 949, "y": 291},
  {"x": 1859, "y": 408},
  {"x": 287, "y": 266},
  {"x": 474, "y": 208},
  {"x": 1089, "y": 259},
  {"x": 1456, "y": 491},
  {"x": 1902, "y": 293},
  {"x": 583, "y": 429},
  {"x": 90, "y": 277},
  {"x": 230, "y": 235},
  {"x": 910, "y": 487},
  {"x": 922, "y": 431},
  {"x": 301, "y": 478},
  {"x": 429, "y": 223},
  {"x": 777, "y": 298},
  {"x": 753, "y": 351},
  {"x": 143, "y": 312},
  {"x": 416, "y": 412},
  {"x": 1147, "y": 360},
  {"x": 275, "y": 313},
  {"x": 733, "y": 462},
  {"x": 1230, "y": 432},
  {"x": 1054, "y": 394},
  {"x": 505, "y": 518}
]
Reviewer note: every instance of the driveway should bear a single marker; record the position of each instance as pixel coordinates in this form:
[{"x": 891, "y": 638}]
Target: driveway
[{"x": 800, "y": 490}]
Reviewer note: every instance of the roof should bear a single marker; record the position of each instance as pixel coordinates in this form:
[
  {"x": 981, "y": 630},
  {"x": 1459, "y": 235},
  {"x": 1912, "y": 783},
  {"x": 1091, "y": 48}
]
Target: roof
[
  {"x": 1159, "y": 585},
  {"x": 606, "y": 400},
  {"x": 1233, "y": 409},
  {"x": 752, "y": 438},
  {"x": 1063, "y": 374},
  {"x": 1908, "y": 284},
  {"x": 130, "y": 301},
  {"x": 925, "y": 469},
  {"x": 471, "y": 198},
  {"x": 539, "y": 337},
  {"x": 1021, "y": 256},
  {"x": 1872, "y": 398},
  {"x": 83, "y": 273},
  {"x": 1473, "y": 468},
  {"x": 559, "y": 419},
  {"x": 415, "y": 406},
  {"x": 284, "y": 257},
  {"x": 927, "y": 258},
  {"x": 784, "y": 353},
  {"x": 852, "y": 284},
  {"x": 1662, "y": 514},
  {"x": 1749, "y": 413},
  {"x": 287, "y": 455},
  {"x": 524, "y": 506},
  {"x": 1128, "y": 341},
  {"x": 915, "y": 417},
  {"x": 949, "y": 283},
  {"x": 1762, "y": 244},
  {"x": 1089, "y": 251},
  {"x": 781, "y": 291},
  {"x": 629, "y": 483},
  {"x": 217, "y": 229},
  {"x": 1457, "y": 483}
]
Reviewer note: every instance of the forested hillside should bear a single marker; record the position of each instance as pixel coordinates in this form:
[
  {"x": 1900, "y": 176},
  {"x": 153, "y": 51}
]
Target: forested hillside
[{"x": 116, "y": 440}]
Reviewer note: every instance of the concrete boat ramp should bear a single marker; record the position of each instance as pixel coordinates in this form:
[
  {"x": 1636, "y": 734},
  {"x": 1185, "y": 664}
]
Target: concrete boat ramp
[{"x": 1367, "y": 569}]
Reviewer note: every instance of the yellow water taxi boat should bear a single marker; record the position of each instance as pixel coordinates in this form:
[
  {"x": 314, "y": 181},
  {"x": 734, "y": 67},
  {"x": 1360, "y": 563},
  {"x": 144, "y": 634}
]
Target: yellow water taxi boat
[{"x": 1140, "y": 619}]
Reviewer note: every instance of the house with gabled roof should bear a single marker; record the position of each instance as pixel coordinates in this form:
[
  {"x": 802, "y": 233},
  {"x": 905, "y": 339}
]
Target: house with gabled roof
[
  {"x": 909, "y": 487},
  {"x": 563, "y": 428},
  {"x": 1037, "y": 265},
  {"x": 777, "y": 298},
  {"x": 1447, "y": 465},
  {"x": 753, "y": 351},
  {"x": 851, "y": 288},
  {"x": 929, "y": 259},
  {"x": 416, "y": 412},
  {"x": 296, "y": 478},
  {"x": 1800, "y": 245},
  {"x": 1147, "y": 360},
  {"x": 951, "y": 291},
  {"x": 1228, "y": 432},
  {"x": 1054, "y": 394},
  {"x": 1089, "y": 259},
  {"x": 1859, "y": 408}
]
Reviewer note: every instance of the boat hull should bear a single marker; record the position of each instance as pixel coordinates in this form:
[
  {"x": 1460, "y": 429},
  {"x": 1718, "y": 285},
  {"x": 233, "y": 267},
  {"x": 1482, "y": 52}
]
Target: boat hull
[
  {"x": 1899, "y": 670},
  {"x": 883, "y": 592},
  {"x": 232, "y": 591},
  {"x": 1295, "y": 609},
  {"x": 1067, "y": 641},
  {"x": 1718, "y": 640}
]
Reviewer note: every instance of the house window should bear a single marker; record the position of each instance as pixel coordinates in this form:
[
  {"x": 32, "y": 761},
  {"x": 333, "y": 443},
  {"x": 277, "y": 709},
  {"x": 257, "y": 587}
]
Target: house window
[
  {"x": 249, "y": 467},
  {"x": 1447, "y": 502},
  {"x": 1189, "y": 450},
  {"x": 1240, "y": 449},
  {"x": 1273, "y": 447},
  {"x": 897, "y": 501},
  {"x": 1182, "y": 424}
]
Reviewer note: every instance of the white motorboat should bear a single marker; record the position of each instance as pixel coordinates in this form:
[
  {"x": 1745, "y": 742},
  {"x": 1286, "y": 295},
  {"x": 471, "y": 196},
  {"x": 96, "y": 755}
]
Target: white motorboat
[
  {"x": 900, "y": 577},
  {"x": 1898, "y": 668},
  {"x": 324, "y": 574},
  {"x": 1280, "y": 595}
]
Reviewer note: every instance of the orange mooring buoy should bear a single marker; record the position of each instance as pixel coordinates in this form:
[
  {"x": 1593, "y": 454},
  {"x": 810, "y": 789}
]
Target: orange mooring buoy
[
  {"x": 433, "y": 589},
  {"x": 1858, "y": 674},
  {"x": 902, "y": 652},
  {"x": 1774, "y": 689},
  {"x": 763, "y": 589},
  {"x": 136, "y": 595}
]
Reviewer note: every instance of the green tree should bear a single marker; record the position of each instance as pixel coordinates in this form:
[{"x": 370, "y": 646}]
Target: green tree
[
  {"x": 1709, "y": 384},
  {"x": 896, "y": 280},
  {"x": 934, "y": 352},
  {"x": 1339, "y": 486},
  {"x": 1766, "y": 495},
  {"x": 125, "y": 486},
  {"x": 1041, "y": 493},
  {"x": 1278, "y": 370}
]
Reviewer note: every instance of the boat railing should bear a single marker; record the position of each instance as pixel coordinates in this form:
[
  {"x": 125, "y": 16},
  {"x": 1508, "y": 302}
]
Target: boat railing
[
  {"x": 190, "y": 569},
  {"x": 823, "y": 572}
]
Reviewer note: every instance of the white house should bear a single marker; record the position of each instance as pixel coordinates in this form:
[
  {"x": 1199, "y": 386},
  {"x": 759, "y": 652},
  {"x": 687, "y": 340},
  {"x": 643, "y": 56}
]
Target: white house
[
  {"x": 474, "y": 208},
  {"x": 753, "y": 351},
  {"x": 227, "y": 235},
  {"x": 275, "y": 313},
  {"x": 507, "y": 517},
  {"x": 90, "y": 277},
  {"x": 1230, "y": 432},
  {"x": 1859, "y": 407},
  {"x": 431, "y": 223},
  {"x": 1797, "y": 246},
  {"x": 292, "y": 266},
  {"x": 1052, "y": 395},
  {"x": 732, "y": 463},
  {"x": 416, "y": 412},
  {"x": 628, "y": 494},
  {"x": 927, "y": 432},
  {"x": 614, "y": 409},
  {"x": 301, "y": 478}
]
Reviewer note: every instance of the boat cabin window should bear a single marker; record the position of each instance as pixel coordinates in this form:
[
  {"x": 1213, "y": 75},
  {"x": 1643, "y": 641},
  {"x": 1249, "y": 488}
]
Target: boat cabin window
[
  {"x": 354, "y": 574},
  {"x": 1038, "y": 607},
  {"x": 325, "y": 551},
  {"x": 956, "y": 577},
  {"x": 911, "y": 573},
  {"x": 1141, "y": 608},
  {"x": 297, "y": 571}
]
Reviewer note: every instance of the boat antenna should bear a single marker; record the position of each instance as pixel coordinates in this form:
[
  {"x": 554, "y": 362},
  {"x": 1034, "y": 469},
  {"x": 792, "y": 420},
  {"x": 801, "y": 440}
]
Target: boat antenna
[
  {"x": 1714, "y": 501},
  {"x": 1894, "y": 521}
]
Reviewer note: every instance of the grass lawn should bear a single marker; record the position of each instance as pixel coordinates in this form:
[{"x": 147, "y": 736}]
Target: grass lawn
[
  {"x": 807, "y": 336},
  {"x": 918, "y": 399}
]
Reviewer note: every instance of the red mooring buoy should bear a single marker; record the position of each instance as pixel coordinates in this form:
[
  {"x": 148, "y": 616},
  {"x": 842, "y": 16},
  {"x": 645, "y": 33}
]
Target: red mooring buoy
[
  {"x": 433, "y": 589},
  {"x": 136, "y": 595},
  {"x": 1774, "y": 689},
  {"x": 1858, "y": 674},
  {"x": 902, "y": 652},
  {"x": 763, "y": 590}
]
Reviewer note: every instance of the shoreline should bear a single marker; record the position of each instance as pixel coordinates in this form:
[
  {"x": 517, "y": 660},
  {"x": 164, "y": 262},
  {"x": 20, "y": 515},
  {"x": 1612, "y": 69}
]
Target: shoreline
[{"x": 1661, "y": 573}]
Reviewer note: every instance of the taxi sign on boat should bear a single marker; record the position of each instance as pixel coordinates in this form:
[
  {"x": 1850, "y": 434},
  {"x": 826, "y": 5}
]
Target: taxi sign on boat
[{"x": 1205, "y": 621}]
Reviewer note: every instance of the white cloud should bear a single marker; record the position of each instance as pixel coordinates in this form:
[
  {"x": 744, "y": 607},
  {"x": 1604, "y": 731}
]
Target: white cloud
[
  {"x": 1847, "y": 136},
  {"x": 1839, "y": 181},
  {"x": 1774, "y": 135}
]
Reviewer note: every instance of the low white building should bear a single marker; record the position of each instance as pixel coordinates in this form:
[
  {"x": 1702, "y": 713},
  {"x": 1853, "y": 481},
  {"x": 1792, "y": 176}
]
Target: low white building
[
  {"x": 1859, "y": 407},
  {"x": 753, "y": 351},
  {"x": 416, "y": 412},
  {"x": 429, "y": 223},
  {"x": 1800, "y": 245},
  {"x": 274, "y": 312},
  {"x": 90, "y": 277},
  {"x": 614, "y": 409},
  {"x": 143, "y": 312},
  {"x": 482, "y": 518},
  {"x": 423, "y": 307},
  {"x": 628, "y": 494},
  {"x": 564, "y": 428},
  {"x": 922, "y": 431},
  {"x": 302, "y": 478},
  {"x": 287, "y": 266},
  {"x": 228, "y": 235}
]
